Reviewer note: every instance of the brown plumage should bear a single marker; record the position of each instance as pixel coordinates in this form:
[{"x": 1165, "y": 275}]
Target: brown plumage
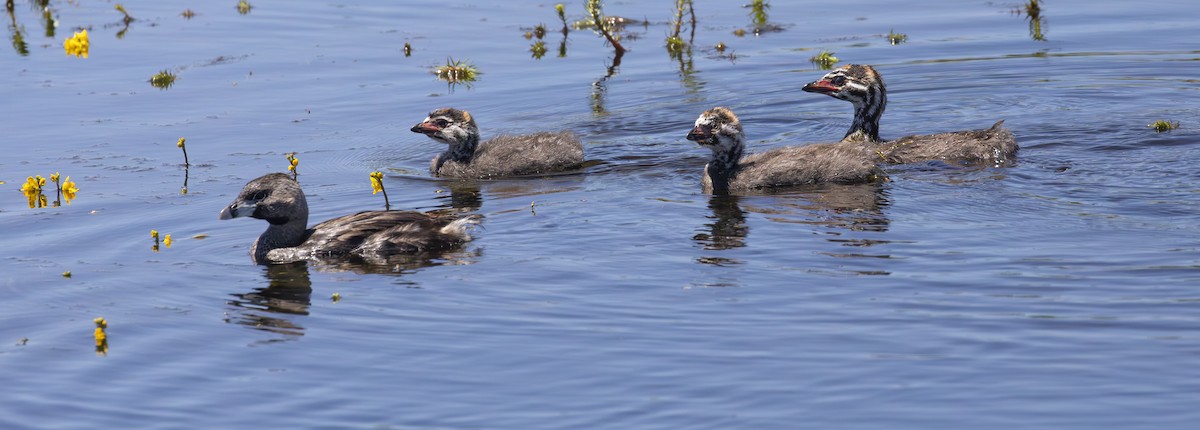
[
  {"x": 278, "y": 199},
  {"x": 721, "y": 131},
  {"x": 505, "y": 155},
  {"x": 863, "y": 86}
]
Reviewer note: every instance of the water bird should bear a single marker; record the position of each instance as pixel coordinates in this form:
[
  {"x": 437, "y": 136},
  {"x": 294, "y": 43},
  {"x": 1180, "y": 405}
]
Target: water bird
[
  {"x": 862, "y": 86},
  {"x": 278, "y": 199},
  {"x": 500, "y": 156},
  {"x": 720, "y": 130}
]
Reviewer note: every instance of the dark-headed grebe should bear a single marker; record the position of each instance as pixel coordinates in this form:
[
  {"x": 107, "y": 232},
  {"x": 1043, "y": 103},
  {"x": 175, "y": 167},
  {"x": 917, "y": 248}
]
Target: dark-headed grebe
[
  {"x": 862, "y": 86},
  {"x": 500, "y": 156},
  {"x": 720, "y": 130},
  {"x": 278, "y": 199}
]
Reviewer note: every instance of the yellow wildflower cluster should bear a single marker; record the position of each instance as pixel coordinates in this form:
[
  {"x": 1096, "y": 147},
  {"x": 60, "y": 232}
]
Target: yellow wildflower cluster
[
  {"x": 77, "y": 45},
  {"x": 166, "y": 240}
]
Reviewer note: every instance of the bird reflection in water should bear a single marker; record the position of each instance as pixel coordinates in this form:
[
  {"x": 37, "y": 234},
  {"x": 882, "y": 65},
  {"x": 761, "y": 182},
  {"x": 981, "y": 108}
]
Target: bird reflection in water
[
  {"x": 839, "y": 208},
  {"x": 288, "y": 294}
]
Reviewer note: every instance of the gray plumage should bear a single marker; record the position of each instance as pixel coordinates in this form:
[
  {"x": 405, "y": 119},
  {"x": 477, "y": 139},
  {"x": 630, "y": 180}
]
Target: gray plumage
[
  {"x": 369, "y": 235},
  {"x": 862, "y": 86},
  {"x": 505, "y": 155},
  {"x": 721, "y": 131}
]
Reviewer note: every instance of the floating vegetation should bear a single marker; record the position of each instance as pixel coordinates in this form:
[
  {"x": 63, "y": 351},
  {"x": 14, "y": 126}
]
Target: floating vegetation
[
  {"x": 739, "y": 32},
  {"x": 825, "y": 59},
  {"x": 605, "y": 26},
  {"x": 895, "y": 38},
  {"x": 539, "y": 31},
  {"x": 243, "y": 7},
  {"x": 407, "y": 49},
  {"x": 675, "y": 44},
  {"x": 538, "y": 49},
  {"x": 66, "y": 274},
  {"x": 188, "y": 14},
  {"x": 336, "y": 297},
  {"x": 457, "y": 72},
  {"x": 78, "y": 44},
  {"x": 163, "y": 79},
  {"x": 720, "y": 47},
  {"x": 377, "y": 187},
  {"x": 292, "y": 163},
  {"x": 127, "y": 19},
  {"x": 1163, "y": 125}
]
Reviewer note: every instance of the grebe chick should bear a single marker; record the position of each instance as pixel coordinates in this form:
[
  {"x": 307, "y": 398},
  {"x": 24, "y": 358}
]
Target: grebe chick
[
  {"x": 505, "y": 155},
  {"x": 863, "y": 86},
  {"x": 721, "y": 131},
  {"x": 278, "y": 199}
]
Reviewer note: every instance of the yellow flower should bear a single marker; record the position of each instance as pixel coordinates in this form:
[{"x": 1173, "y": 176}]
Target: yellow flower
[
  {"x": 77, "y": 45},
  {"x": 69, "y": 189},
  {"x": 41, "y": 182},
  {"x": 101, "y": 337},
  {"x": 154, "y": 234},
  {"x": 100, "y": 322},
  {"x": 31, "y": 187},
  {"x": 54, "y": 177},
  {"x": 167, "y": 240},
  {"x": 180, "y": 144},
  {"x": 376, "y": 182}
]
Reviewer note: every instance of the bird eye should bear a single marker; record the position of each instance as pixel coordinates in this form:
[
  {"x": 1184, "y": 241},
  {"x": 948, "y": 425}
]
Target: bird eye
[
  {"x": 838, "y": 80},
  {"x": 441, "y": 122},
  {"x": 261, "y": 195}
]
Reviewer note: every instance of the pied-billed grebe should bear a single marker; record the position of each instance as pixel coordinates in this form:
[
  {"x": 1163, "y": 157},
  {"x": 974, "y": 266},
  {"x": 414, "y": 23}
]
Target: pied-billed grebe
[
  {"x": 721, "y": 131},
  {"x": 504, "y": 155},
  {"x": 861, "y": 85},
  {"x": 278, "y": 199}
]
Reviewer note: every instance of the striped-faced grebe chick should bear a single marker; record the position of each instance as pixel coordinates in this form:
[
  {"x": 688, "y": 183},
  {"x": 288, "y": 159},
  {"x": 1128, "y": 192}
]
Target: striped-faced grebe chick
[
  {"x": 862, "y": 86},
  {"x": 529, "y": 154},
  {"x": 720, "y": 130},
  {"x": 278, "y": 199}
]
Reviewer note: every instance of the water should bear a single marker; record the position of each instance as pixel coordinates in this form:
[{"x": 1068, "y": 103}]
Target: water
[{"x": 1058, "y": 293}]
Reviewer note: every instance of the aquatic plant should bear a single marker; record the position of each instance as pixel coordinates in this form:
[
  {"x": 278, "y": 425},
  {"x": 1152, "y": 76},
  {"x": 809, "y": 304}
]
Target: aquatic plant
[
  {"x": 1163, "y": 125},
  {"x": 163, "y": 79},
  {"x": 758, "y": 13},
  {"x": 77, "y": 44},
  {"x": 562, "y": 16},
  {"x": 182, "y": 144},
  {"x": 824, "y": 59},
  {"x": 538, "y": 49},
  {"x": 457, "y": 72},
  {"x": 739, "y": 32},
  {"x": 377, "y": 187},
  {"x": 32, "y": 189},
  {"x": 187, "y": 14},
  {"x": 127, "y": 18},
  {"x": 604, "y": 25},
  {"x": 539, "y": 31},
  {"x": 154, "y": 234},
  {"x": 336, "y": 297},
  {"x": 720, "y": 47},
  {"x": 243, "y": 7},
  {"x": 675, "y": 43},
  {"x": 407, "y": 49},
  {"x": 66, "y": 274},
  {"x": 100, "y": 335},
  {"x": 65, "y": 190},
  {"x": 292, "y": 163},
  {"x": 1033, "y": 13},
  {"x": 895, "y": 38},
  {"x": 167, "y": 240}
]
